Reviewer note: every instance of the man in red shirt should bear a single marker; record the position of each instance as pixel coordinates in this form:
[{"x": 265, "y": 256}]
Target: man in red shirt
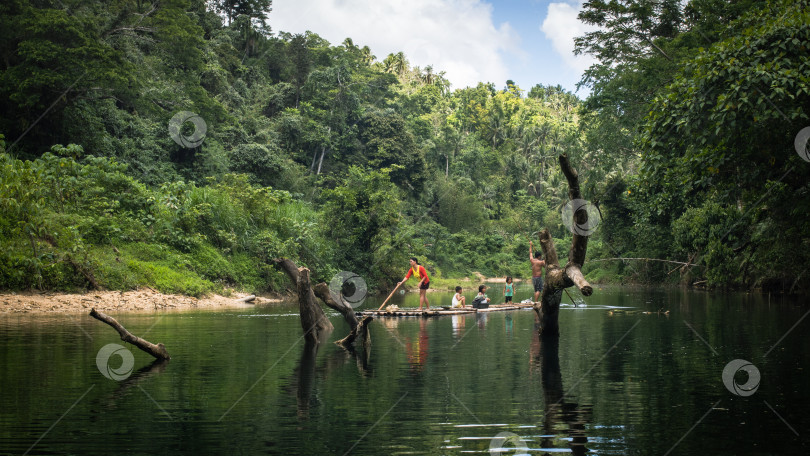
[{"x": 420, "y": 273}]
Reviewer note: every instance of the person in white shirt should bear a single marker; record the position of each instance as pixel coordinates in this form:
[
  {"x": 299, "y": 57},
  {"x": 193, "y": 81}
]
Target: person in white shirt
[{"x": 459, "y": 300}]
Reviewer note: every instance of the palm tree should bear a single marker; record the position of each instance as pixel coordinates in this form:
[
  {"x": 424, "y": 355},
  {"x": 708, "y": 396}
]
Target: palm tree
[
  {"x": 428, "y": 77},
  {"x": 395, "y": 63},
  {"x": 367, "y": 56}
]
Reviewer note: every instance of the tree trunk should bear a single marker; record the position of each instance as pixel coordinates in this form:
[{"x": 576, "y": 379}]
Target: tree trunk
[
  {"x": 320, "y": 162},
  {"x": 158, "y": 351},
  {"x": 323, "y": 147},
  {"x": 313, "y": 319},
  {"x": 558, "y": 278},
  {"x": 321, "y": 290}
]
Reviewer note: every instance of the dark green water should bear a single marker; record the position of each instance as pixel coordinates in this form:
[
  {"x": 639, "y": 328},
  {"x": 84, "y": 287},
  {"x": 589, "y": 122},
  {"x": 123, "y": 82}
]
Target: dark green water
[{"x": 242, "y": 383}]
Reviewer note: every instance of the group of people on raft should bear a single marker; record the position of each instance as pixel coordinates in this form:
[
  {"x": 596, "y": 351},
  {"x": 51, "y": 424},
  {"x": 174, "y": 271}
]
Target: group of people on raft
[{"x": 459, "y": 300}]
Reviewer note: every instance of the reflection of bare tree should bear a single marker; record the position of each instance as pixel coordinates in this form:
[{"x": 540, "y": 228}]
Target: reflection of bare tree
[
  {"x": 560, "y": 415},
  {"x": 307, "y": 370},
  {"x": 305, "y": 375}
]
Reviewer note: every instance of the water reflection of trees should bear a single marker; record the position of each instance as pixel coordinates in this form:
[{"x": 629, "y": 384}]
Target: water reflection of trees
[{"x": 561, "y": 415}]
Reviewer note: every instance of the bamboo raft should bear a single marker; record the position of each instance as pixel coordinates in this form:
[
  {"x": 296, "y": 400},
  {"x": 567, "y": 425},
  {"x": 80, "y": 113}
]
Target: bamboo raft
[{"x": 439, "y": 311}]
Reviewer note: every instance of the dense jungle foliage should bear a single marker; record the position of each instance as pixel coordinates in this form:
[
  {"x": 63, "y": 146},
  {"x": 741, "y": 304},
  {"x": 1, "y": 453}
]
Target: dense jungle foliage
[{"x": 342, "y": 160}]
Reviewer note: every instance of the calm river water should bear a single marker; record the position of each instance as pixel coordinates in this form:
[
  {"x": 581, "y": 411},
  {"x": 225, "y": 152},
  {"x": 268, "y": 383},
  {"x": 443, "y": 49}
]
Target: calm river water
[{"x": 620, "y": 381}]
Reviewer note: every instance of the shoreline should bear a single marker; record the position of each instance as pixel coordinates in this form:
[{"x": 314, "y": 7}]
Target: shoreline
[
  {"x": 148, "y": 300},
  {"x": 142, "y": 300}
]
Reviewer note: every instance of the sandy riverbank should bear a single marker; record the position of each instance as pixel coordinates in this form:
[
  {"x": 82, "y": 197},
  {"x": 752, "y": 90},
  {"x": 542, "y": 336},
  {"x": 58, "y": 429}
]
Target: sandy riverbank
[
  {"x": 141, "y": 300},
  {"x": 149, "y": 300}
]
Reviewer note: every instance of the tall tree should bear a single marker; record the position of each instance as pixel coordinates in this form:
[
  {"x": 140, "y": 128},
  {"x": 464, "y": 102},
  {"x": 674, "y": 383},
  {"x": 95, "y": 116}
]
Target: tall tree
[{"x": 256, "y": 10}]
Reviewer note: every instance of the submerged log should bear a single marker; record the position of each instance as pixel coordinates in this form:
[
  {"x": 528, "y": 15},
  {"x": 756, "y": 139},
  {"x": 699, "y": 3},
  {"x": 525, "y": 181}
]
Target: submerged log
[
  {"x": 158, "y": 351},
  {"x": 559, "y": 278}
]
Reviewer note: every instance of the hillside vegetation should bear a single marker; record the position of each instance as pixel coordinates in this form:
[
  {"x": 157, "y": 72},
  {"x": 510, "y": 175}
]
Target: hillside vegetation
[{"x": 342, "y": 160}]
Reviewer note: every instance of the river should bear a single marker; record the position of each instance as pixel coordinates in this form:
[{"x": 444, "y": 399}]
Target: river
[{"x": 625, "y": 377}]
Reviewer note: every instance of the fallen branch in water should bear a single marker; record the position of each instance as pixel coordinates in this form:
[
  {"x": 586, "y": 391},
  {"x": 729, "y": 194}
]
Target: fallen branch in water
[{"x": 158, "y": 351}]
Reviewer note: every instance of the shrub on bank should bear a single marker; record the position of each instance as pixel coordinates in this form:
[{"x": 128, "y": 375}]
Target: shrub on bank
[{"x": 72, "y": 221}]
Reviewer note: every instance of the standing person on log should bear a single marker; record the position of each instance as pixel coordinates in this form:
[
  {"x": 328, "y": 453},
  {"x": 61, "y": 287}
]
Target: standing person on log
[
  {"x": 537, "y": 271},
  {"x": 420, "y": 273}
]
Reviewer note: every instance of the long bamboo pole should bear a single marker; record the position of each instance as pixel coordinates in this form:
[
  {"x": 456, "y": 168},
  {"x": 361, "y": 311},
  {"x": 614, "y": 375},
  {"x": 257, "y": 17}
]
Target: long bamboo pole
[
  {"x": 389, "y": 296},
  {"x": 644, "y": 259}
]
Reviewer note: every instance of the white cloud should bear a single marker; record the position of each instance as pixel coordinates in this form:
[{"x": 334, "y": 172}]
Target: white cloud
[
  {"x": 456, "y": 36},
  {"x": 561, "y": 26}
]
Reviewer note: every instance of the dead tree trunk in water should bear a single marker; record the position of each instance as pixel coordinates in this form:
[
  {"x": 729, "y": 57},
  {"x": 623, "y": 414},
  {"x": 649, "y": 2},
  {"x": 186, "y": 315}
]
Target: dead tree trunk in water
[
  {"x": 559, "y": 278},
  {"x": 321, "y": 290},
  {"x": 313, "y": 320}
]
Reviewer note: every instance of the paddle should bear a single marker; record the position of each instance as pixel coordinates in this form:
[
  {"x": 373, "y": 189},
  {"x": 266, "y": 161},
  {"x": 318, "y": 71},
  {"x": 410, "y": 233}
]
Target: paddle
[{"x": 389, "y": 296}]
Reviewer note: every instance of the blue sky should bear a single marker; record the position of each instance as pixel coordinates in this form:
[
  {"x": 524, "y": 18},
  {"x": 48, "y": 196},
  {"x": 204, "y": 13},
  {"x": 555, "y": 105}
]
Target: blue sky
[
  {"x": 528, "y": 41},
  {"x": 540, "y": 63}
]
